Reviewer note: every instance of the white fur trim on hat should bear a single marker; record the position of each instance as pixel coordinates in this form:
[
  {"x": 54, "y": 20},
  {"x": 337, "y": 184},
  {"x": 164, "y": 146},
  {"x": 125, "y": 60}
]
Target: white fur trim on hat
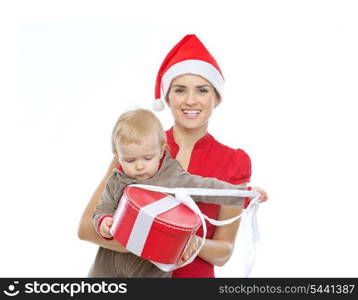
[
  {"x": 197, "y": 67},
  {"x": 158, "y": 104}
]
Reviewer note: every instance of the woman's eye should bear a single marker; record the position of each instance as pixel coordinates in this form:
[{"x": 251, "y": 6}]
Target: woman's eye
[
  {"x": 179, "y": 91},
  {"x": 203, "y": 91}
]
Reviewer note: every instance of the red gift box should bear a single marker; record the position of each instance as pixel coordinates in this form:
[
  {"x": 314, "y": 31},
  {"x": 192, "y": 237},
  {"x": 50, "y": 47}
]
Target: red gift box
[{"x": 153, "y": 225}]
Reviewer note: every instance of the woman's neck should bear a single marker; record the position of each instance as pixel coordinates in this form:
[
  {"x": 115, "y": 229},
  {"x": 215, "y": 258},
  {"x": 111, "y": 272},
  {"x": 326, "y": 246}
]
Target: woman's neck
[{"x": 186, "y": 138}]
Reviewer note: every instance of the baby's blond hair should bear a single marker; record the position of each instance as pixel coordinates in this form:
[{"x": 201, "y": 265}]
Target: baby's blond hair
[{"x": 134, "y": 125}]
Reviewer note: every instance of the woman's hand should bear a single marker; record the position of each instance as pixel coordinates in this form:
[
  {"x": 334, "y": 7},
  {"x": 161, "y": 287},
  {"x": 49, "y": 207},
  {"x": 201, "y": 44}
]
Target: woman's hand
[
  {"x": 263, "y": 193},
  {"x": 105, "y": 227},
  {"x": 193, "y": 245}
]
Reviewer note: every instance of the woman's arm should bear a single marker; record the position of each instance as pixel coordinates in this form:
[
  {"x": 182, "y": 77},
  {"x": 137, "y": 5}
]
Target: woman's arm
[
  {"x": 219, "y": 249},
  {"x": 86, "y": 230}
]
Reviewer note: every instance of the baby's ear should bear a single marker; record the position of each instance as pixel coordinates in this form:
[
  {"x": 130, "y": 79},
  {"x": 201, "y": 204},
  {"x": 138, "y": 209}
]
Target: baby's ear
[
  {"x": 165, "y": 147},
  {"x": 115, "y": 155}
]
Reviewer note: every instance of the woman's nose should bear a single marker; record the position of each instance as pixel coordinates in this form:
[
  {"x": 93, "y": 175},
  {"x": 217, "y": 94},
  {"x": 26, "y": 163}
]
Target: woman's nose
[{"x": 191, "y": 98}]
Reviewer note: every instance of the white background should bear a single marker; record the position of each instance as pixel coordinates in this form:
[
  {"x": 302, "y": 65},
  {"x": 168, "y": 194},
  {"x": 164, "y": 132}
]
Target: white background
[{"x": 69, "y": 68}]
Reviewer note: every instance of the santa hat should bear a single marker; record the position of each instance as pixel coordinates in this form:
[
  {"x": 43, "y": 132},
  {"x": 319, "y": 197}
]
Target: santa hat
[{"x": 189, "y": 56}]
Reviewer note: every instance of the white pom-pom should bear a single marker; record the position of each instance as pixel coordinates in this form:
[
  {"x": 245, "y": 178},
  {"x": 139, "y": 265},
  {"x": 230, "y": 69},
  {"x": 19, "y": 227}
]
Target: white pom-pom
[{"x": 158, "y": 104}]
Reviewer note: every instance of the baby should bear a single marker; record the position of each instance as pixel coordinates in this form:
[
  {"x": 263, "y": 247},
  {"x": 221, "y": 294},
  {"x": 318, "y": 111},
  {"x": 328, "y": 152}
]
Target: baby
[{"x": 139, "y": 144}]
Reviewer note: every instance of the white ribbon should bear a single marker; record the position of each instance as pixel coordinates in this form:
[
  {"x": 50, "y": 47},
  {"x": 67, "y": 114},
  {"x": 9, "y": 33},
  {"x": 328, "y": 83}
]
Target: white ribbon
[
  {"x": 248, "y": 234},
  {"x": 249, "y": 223}
]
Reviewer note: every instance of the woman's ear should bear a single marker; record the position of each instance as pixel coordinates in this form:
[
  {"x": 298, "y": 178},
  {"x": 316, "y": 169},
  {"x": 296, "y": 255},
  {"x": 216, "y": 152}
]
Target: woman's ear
[
  {"x": 217, "y": 99},
  {"x": 217, "y": 102}
]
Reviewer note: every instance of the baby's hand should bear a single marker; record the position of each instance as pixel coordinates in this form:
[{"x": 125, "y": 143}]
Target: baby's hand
[
  {"x": 263, "y": 193},
  {"x": 105, "y": 226}
]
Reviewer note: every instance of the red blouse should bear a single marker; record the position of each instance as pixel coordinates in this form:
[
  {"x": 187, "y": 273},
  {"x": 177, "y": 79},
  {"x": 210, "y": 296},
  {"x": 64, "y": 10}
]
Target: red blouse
[{"x": 210, "y": 158}]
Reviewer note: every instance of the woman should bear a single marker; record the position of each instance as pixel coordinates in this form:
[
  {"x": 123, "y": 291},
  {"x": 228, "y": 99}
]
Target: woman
[{"x": 192, "y": 85}]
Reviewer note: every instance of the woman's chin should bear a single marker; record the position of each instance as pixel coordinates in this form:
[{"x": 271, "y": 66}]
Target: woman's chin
[{"x": 192, "y": 124}]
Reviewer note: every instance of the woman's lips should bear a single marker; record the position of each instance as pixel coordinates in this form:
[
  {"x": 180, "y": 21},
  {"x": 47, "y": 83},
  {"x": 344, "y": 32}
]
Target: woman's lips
[{"x": 191, "y": 113}]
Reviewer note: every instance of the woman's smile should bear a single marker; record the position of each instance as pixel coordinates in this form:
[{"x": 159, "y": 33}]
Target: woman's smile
[{"x": 191, "y": 114}]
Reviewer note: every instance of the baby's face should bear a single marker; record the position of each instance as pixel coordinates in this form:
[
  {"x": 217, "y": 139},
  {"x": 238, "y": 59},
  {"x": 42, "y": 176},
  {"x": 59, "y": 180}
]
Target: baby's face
[{"x": 140, "y": 161}]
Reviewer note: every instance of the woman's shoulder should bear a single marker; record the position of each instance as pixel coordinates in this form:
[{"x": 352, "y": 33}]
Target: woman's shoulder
[
  {"x": 238, "y": 162},
  {"x": 235, "y": 153}
]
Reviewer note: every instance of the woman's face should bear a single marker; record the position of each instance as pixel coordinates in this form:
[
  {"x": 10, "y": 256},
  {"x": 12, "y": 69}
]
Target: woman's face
[{"x": 191, "y": 99}]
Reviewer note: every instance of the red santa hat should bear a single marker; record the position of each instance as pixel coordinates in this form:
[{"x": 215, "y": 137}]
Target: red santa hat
[{"x": 189, "y": 56}]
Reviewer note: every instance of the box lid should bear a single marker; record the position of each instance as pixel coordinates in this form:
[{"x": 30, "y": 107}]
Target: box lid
[{"x": 179, "y": 216}]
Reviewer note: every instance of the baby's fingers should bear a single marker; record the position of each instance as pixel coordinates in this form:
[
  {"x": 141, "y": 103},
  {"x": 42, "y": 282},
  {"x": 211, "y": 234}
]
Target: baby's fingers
[{"x": 106, "y": 232}]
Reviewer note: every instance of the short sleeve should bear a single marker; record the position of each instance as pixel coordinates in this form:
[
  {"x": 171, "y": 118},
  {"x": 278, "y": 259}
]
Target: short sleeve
[{"x": 239, "y": 169}]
